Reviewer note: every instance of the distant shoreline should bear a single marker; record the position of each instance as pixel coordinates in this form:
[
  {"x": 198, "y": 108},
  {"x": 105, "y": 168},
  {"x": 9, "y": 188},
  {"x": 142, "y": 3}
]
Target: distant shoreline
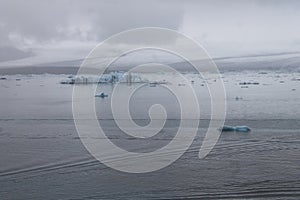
[
  {"x": 286, "y": 62},
  {"x": 183, "y": 67},
  {"x": 38, "y": 70}
]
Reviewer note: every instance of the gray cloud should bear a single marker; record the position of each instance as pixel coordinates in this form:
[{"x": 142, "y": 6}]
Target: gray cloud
[
  {"x": 243, "y": 27},
  {"x": 43, "y": 21},
  {"x": 223, "y": 27}
]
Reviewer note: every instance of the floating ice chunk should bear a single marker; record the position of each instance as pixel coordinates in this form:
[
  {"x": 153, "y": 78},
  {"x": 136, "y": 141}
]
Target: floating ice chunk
[
  {"x": 242, "y": 129},
  {"x": 67, "y": 81},
  {"x": 112, "y": 77},
  {"x": 102, "y": 95},
  {"x": 152, "y": 84},
  {"x": 244, "y": 86},
  {"x": 295, "y": 79},
  {"x": 262, "y": 72},
  {"x": 238, "y": 98},
  {"x": 227, "y": 129},
  {"x": 249, "y": 83},
  {"x": 236, "y": 128}
]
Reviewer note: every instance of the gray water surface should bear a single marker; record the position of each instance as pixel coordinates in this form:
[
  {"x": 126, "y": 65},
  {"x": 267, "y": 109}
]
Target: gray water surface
[{"x": 42, "y": 156}]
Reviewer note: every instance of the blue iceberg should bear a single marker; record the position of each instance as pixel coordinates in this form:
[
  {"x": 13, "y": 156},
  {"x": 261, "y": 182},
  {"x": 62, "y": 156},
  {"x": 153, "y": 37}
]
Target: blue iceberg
[
  {"x": 235, "y": 128},
  {"x": 102, "y": 95}
]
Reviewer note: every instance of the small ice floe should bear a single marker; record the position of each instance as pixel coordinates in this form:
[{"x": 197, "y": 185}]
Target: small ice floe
[
  {"x": 102, "y": 95},
  {"x": 238, "y": 98},
  {"x": 242, "y": 129},
  {"x": 249, "y": 83},
  {"x": 235, "y": 128},
  {"x": 153, "y": 84},
  {"x": 68, "y": 81},
  {"x": 262, "y": 72},
  {"x": 295, "y": 79},
  {"x": 227, "y": 129}
]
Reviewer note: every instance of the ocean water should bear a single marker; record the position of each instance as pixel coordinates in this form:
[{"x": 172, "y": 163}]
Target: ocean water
[{"x": 42, "y": 156}]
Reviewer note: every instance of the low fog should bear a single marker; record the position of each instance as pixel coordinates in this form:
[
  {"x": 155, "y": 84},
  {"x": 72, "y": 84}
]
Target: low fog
[{"x": 35, "y": 31}]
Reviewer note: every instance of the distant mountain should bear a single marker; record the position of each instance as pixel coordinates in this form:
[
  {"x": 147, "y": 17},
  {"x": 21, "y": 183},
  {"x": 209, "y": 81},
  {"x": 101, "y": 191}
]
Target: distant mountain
[
  {"x": 65, "y": 63},
  {"x": 11, "y": 53},
  {"x": 288, "y": 62}
]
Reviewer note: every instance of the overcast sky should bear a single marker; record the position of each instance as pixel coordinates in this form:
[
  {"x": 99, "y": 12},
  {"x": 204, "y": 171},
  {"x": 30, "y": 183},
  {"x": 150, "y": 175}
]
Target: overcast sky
[{"x": 53, "y": 30}]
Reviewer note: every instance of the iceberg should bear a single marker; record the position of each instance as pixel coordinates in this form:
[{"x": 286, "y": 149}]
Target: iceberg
[
  {"x": 67, "y": 81},
  {"x": 102, "y": 95},
  {"x": 249, "y": 83},
  {"x": 235, "y": 128},
  {"x": 112, "y": 77},
  {"x": 242, "y": 129},
  {"x": 227, "y": 128}
]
